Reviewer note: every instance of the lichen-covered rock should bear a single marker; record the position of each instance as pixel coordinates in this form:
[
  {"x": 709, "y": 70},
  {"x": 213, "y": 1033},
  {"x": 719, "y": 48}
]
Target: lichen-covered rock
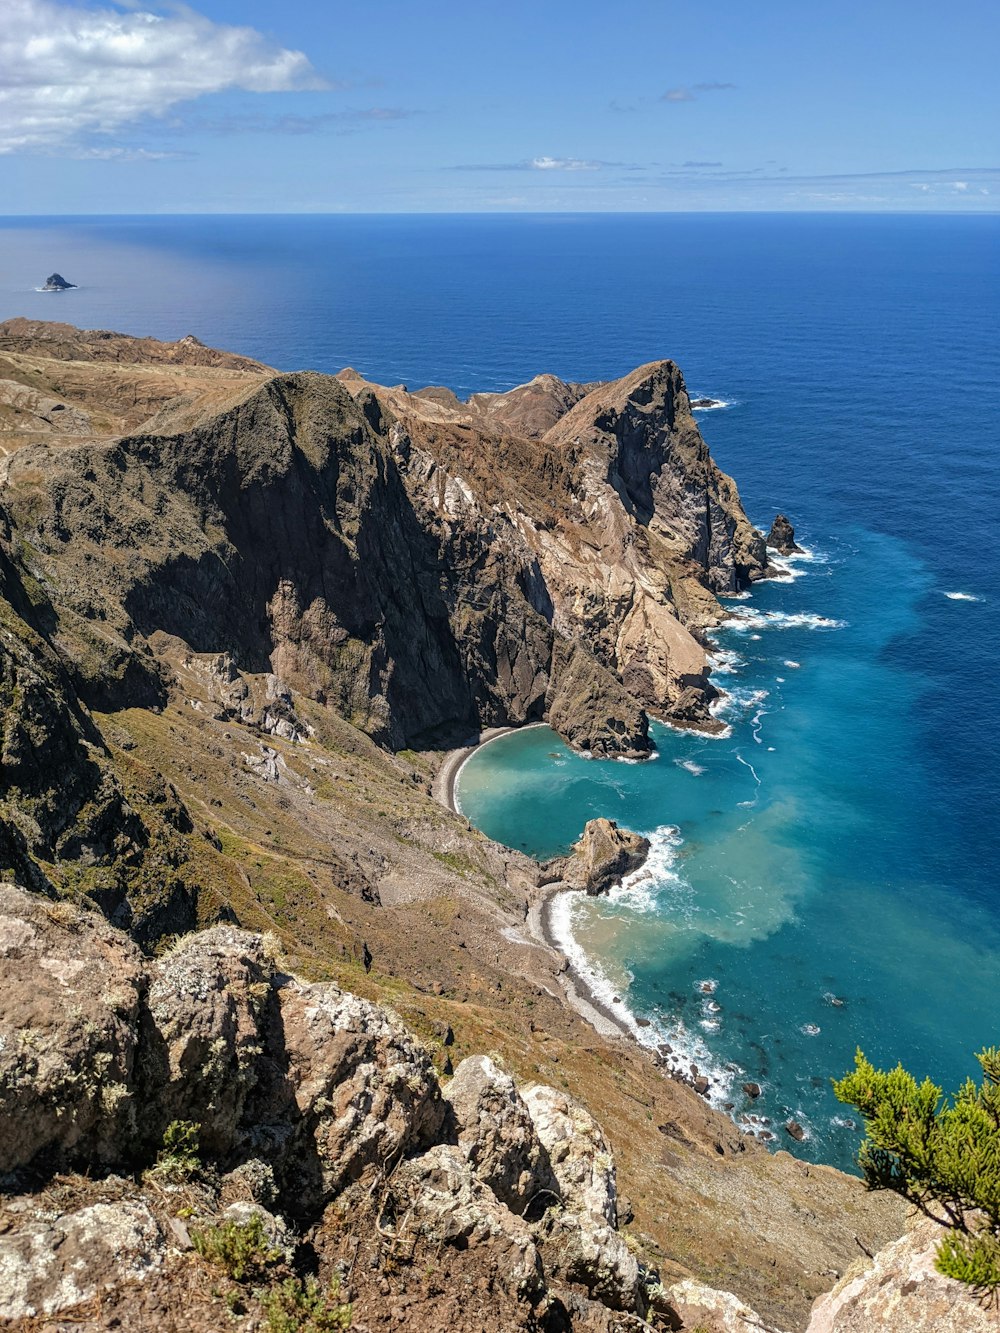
[
  {"x": 203, "y": 1039},
  {"x": 365, "y": 1090},
  {"x": 603, "y": 856},
  {"x": 497, "y": 1134},
  {"x": 696, "y": 1306},
  {"x": 584, "y": 1245},
  {"x": 70, "y": 989},
  {"x": 578, "y": 1152},
  {"x": 50, "y": 1264},
  {"x": 579, "y": 1249},
  {"x": 901, "y": 1289},
  {"x": 452, "y": 1206}
]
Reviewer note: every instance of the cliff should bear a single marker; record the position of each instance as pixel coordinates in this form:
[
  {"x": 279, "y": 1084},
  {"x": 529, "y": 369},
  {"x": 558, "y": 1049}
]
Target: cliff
[{"x": 238, "y": 611}]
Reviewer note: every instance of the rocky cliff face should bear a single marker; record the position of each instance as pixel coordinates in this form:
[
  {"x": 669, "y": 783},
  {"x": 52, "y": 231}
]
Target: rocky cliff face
[{"x": 363, "y": 545}]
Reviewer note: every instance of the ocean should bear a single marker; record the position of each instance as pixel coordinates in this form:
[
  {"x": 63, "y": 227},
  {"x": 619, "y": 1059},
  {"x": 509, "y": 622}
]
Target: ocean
[{"x": 824, "y": 876}]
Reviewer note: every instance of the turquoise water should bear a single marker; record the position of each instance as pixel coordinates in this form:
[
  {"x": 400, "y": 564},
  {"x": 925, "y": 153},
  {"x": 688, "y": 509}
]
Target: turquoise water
[
  {"x": 805, "y": 857},
  {"x": 843, "y": 841}
]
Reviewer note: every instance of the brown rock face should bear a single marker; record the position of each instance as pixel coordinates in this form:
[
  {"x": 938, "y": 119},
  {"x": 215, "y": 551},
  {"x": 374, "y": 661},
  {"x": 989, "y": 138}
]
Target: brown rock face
[
  {"x": 602, "y": 858},
  {"x": 781, "y": 538},
  {"x": 591, "y": 710},
  {"x": 69, "y": 1032},
  {"x": 901, "y": 1289},
  {"x": 555, "y": 547}
]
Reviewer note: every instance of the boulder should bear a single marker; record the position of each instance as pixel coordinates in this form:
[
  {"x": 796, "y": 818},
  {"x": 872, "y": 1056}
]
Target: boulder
[
  {"x": 69, "y": 1030},
  {"x": 582, "y": 1243},
  {"x": 693, "y": 1305},
  {"x": 497, "y": 1135},
  {"x": 452, "y": 1206},
  {"x": 781, "y": 538},
  {"x": 365, "y": 1091},
  {"x": 578, "y": 1152},
  {"x": 52, "y": 1263},
  {"x": 603, "y": 856},
  {"x": 901, "y": 1289},
  {"x": 203, "y": 1036}
]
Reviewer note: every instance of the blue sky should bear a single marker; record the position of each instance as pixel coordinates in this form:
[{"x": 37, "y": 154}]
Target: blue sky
[{"x": 386, "y": 106}]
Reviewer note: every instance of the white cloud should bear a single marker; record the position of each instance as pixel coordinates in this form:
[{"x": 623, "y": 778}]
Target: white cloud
[
  {"x": 563, "y": 164},
  {"x": 70, "y": 72}
]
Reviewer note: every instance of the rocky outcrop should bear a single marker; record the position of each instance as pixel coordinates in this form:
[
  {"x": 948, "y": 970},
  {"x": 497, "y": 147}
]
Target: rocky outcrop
[
  {"x": 602, "y": 857},
  {"x": 901, "y": 1289},
  {"x": 301, "y": 1093},
  {"x": 591, "y": 709},
  {"x": 55, "y": 282},
  {"x": 692, "y": 1305},
  {"x": 69, "y": 1032},
  {"x": 781, "y": 538},
  {"x": 583, "y": 1239},
  {"x": 498, "y": 1136}
]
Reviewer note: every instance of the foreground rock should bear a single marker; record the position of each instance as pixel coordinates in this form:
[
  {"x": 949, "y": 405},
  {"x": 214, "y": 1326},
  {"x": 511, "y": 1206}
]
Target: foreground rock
[
  {"x": 781, "y": 538},
  {"x": 304, "y": 1095},
  {"x": 901, "y": 1289},
  {"x": 692, "y": 1305},
  {"x": 602, "y": 857}
]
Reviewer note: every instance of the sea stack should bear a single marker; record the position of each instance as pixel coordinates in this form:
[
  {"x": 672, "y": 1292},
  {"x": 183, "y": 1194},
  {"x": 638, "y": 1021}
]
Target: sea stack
[
  {"x": 55, "y": 282},
  {"x": 781, "y": 538},
  {"x": 603, "y": 856}
]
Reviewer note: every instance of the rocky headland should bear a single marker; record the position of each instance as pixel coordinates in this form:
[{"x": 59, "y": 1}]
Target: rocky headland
[{"x": 242, "y": 616}]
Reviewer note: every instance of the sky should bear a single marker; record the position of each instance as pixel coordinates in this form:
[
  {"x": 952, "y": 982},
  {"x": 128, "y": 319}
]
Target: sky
[{"x": 246, "y": 106}]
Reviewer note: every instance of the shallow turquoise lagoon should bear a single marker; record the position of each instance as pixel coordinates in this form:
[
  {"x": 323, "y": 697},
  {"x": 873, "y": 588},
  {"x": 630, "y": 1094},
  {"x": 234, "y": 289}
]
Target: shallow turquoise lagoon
[{"x": 808, "y": 891}]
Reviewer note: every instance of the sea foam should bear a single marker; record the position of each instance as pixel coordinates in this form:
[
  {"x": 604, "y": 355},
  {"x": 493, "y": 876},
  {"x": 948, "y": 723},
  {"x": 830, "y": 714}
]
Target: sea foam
[
  {"x": 962, "y": 597},
  {"x": 742, "y": 621}
]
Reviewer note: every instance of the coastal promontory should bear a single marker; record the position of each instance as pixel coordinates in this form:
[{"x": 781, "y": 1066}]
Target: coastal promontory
[{"x": 243, "y": 614}]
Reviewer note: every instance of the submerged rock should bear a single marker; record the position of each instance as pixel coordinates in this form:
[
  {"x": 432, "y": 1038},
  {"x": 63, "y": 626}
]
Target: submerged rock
[
  {"x": 781, "y": 538},
  {"x": 603, "y": 856}
]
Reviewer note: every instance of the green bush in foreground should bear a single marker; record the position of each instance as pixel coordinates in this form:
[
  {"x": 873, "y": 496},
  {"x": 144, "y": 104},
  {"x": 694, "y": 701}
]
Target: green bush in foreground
[
  {"x": 294, "y": 1306},
  {"x": 944, "y": 1156},
  {"x": 178, "y": 1160},
  {"x": 240, "y": 1249}
]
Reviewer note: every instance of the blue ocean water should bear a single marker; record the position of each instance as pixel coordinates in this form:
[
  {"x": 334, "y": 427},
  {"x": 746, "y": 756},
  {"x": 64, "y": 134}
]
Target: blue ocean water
[{"x": 841, "y": 843}]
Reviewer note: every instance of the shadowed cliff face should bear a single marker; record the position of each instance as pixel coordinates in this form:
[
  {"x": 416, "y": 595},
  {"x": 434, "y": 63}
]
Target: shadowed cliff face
[
  {"x": 420, "y": 567},
  {"x": 405, "y": 559}
]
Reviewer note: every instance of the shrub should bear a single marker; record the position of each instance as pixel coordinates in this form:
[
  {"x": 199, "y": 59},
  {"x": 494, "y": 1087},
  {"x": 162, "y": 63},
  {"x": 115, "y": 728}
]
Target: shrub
[
  {"x": 294, "y": 1306},
  {"x": 241, "y": 1249},
  {"x": 944, "y": 1156},
  {"x": 178, "y": 1159}
]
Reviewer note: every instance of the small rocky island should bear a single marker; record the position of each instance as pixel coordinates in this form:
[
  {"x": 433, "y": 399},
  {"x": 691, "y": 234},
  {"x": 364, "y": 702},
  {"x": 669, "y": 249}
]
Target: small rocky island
[
  {"x": 55, "y": 282},
  {"x": 781, "y": 538},
  {"x": 707, "y": 402}
]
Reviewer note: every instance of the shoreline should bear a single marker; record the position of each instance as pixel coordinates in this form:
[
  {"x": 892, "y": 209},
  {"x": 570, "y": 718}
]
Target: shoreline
[
  {"x": 576, "y": 989},
  {"x": 539, "y": 931},
  {"x": 444, "y": 785}
]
